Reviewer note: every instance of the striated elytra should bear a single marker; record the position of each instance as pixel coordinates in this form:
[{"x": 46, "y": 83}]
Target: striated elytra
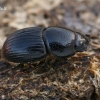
[{"x": 30, "y": 44}]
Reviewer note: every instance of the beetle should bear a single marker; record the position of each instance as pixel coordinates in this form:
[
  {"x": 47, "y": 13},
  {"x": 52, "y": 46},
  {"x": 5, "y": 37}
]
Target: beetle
[{"x": 33, "y": 43}]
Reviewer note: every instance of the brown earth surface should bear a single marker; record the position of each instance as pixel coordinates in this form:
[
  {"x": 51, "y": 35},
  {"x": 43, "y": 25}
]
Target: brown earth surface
[{"x": 53, "y": 79}]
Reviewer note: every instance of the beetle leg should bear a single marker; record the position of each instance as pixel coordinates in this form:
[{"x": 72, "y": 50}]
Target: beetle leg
[
  {"x": 71, "y": 65},
  {"x": 5, "y": 71}
]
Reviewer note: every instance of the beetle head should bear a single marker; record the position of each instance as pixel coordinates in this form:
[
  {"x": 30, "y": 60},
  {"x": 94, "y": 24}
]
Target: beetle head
[{"x": 81, "y": 42}]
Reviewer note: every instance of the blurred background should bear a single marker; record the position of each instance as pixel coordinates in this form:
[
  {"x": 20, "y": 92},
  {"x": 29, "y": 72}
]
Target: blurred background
[{"x": 80, "y": 15}]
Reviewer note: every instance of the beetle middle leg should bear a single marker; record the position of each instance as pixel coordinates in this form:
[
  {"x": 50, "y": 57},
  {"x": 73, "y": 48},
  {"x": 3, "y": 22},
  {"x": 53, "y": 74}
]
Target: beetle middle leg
[
  {"x": 72, "y": 65},
  {"x": 63, "y": 61}
]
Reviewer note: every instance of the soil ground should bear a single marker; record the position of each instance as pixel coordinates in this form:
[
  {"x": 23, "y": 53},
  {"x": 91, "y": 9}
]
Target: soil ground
[{"x": 53, "y": 79}]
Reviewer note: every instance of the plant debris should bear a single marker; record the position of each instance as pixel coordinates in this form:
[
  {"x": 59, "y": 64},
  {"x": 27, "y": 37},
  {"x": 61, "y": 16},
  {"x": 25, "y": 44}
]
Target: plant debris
[{"x": 79, "y": 81}]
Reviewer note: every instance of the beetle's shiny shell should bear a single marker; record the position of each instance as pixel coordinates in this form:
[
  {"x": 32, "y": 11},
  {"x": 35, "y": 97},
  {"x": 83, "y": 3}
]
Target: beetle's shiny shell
[
  {"x": 24, "y": 45},
  {"x": 33, "y": 43},
  {"x": 59, "y": 41}
]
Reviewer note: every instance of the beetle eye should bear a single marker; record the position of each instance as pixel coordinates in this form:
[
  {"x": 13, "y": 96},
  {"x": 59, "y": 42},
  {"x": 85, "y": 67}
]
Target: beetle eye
[
  {"x": 79, "y": 40},
  {"x": 80, "y": 43}
]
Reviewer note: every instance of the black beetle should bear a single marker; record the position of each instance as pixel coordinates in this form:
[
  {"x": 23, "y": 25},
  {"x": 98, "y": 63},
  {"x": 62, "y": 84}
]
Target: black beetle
[{"x": 30, "y": 44}]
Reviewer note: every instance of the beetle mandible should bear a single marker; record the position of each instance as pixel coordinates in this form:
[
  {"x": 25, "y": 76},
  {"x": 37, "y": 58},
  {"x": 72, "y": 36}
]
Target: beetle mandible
[{"x": 33, "y": 43}]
